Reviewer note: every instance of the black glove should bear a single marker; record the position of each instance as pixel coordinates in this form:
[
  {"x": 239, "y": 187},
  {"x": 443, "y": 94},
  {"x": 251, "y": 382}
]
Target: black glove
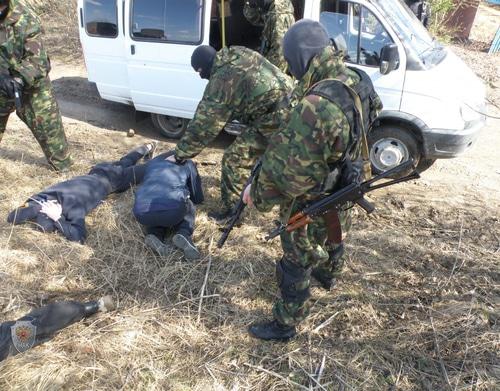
[
  {"x": 352, "y": 172},
  {"x": 8, "y": 86}
]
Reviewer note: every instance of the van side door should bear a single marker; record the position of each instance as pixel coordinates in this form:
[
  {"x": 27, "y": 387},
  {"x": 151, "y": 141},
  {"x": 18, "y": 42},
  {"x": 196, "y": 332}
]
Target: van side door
[
  {"x": 359, "y": 30},
  {"x": 102, "y": 36},
  {"x": 161, "y": 36}
]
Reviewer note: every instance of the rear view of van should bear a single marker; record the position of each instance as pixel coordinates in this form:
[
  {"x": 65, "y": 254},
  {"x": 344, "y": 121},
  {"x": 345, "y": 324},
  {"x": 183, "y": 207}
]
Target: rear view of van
[{"x": 138, "y": 53}]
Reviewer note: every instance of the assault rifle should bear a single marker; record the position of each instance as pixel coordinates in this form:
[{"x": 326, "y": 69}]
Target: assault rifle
[
  {"x": 353, "y": 192},
  {"x": 238, "y": 209}
]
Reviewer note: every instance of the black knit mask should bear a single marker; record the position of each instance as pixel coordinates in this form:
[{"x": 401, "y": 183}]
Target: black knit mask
[
  {"x": 4, "y": 13},
  {"x": 302, "y": 42},
  {"x": 203, "y": 58}
]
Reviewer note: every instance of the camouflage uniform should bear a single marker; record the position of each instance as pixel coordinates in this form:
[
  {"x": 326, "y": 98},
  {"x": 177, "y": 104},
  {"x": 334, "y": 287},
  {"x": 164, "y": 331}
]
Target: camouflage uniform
[
  {"x": 22, "y": 55},
  {"x": 243, "y": 86},
  {"x": 276, "y": 21},
  {"x": 294, "y": 167}
]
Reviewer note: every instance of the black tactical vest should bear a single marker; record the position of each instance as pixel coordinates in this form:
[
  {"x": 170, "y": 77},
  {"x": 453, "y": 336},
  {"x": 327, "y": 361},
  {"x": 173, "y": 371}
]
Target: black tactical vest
[
  {"x": 338, "y": 93},
  {"x": 345, "y": 170}
]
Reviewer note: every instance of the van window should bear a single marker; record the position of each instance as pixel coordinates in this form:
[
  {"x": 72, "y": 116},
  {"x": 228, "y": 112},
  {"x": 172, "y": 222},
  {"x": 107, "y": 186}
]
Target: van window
[
  {"x": 177, "y": 21},
  {"x": 101, "y": 18},
  {"x": 344, "y": 20}
]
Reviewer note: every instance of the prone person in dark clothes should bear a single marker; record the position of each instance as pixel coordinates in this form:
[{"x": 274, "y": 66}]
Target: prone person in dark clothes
[
  {"x": 63, "y": 206},
  {"x": 41, "y": 324},
  {"x": 165, "y": 201}
]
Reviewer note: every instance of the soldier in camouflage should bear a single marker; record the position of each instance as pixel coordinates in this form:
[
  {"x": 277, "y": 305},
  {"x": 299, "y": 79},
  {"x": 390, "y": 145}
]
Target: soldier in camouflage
[
  {"x": 24, "y": 67},
  {"x": 242, "y": 86},
  {"x": 294, "y": 169},
  {"x": 276, "y": 17}
]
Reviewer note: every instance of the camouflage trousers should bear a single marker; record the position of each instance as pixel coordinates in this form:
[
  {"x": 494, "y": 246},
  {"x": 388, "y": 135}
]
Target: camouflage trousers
[
  {"x": 40, "y": 113},
  {"x": 306, "y": 249},
  {"x": 237, "y": 163}
]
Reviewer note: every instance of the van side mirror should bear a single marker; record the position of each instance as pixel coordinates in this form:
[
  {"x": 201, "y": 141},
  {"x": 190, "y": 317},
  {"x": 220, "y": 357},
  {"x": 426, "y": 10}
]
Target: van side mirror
[{"x": 389, "y": 58}]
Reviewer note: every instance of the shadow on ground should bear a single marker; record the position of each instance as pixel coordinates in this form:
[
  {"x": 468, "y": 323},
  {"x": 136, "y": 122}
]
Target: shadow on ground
[{"x": 79, "y": 99}]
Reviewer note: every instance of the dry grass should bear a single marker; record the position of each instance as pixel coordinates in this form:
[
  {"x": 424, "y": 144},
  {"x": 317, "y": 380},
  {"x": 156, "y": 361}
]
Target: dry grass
[
  {"x": 60, "y": 22},
  {"x": 417, "y": 308}
]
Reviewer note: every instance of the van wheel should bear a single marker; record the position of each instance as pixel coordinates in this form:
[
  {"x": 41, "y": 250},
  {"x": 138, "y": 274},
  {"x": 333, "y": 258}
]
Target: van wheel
[
  {"x": 424, "y": 164},
  {"x": 170, "y": 127},
  {"x": 390, "y": 146}
]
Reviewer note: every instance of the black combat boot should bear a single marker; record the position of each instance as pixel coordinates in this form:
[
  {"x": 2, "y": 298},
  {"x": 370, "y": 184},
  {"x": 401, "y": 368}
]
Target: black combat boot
[
  {"x": 220, "y": 215},
  {"x": 326, "y": 282},
  {"x": 272, "y": 330}
]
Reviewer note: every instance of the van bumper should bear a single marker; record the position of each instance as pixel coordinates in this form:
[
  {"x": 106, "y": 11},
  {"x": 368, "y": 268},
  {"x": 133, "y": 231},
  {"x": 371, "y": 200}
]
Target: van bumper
[{"x": 448, "y": 143}]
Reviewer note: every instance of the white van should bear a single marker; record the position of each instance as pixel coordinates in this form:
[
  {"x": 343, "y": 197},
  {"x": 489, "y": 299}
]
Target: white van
[{"x": 138, "y": 52}]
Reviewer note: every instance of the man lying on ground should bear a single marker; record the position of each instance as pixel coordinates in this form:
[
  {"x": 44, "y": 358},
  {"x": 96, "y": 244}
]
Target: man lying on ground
[
  {"x": 41, "y": 324},
  {"x": 63, "y": 206},
  {"x": 165, "y": 203}
]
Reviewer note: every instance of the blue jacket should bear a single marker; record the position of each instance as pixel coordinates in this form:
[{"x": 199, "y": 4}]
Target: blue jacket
[
  {"x": 77, "y": 196},
  {"x": 165, "y": 189}
]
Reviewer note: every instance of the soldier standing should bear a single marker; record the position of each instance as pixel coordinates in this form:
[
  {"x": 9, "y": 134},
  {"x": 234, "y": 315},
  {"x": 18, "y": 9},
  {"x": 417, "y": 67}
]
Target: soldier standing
[
  {"x": 242, "y": 86},
  {"x": 295, "y": 167},
  {"x": 276, "y": 17},
  {"x": 24, "y": 82}
]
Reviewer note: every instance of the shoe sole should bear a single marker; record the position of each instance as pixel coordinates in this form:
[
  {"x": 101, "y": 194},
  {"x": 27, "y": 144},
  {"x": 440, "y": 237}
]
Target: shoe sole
[
  {"x": 283, "y": 339},
  {"x": 156, "y": 245},
  {"x": 150, "y": 155},
  {"x": 191, "y": 253}
]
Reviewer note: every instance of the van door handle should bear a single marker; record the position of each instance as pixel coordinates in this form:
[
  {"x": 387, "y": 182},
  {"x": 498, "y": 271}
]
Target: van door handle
[{"x": 132, "y": 49}]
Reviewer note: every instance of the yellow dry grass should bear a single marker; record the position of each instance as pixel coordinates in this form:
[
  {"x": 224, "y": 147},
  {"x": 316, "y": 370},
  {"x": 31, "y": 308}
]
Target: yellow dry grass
[{"x": 417, "y": 307}]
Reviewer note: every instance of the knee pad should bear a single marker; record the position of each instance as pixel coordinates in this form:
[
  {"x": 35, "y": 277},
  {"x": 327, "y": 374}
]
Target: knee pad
[{"x": 293, "y": 280}]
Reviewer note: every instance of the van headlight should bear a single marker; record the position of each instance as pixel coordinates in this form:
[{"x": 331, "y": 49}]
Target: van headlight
[{"x": 468, "y": 113}]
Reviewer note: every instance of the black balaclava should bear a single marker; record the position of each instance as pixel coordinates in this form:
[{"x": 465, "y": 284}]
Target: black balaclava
[
  {"x": 203, "y": 57},
  {"x": 304, "y": 40},
  {"x": 4, "y": 13}
]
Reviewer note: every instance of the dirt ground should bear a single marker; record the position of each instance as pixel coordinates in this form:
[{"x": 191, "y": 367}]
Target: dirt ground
[{"x": 417, "y": 307}]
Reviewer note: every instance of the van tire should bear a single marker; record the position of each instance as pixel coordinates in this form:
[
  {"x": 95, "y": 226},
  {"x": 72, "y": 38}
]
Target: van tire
[
  {"x": 424, "y": 164},
  {"x": 170, "y": 127},
  {"x": 390, "y": 146}
]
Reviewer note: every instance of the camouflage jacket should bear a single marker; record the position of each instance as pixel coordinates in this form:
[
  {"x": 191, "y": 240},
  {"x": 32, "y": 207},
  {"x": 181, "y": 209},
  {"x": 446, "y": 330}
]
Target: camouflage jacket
[
  {"x": 297, "y": 160},
  {"x": 243, "y": 86},
  {"x": 276, "y": 21},
  {"x": 21, "y": 50}
]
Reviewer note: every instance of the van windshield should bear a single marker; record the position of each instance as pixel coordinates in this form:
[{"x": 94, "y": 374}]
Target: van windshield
[{"x": 414, "y": 35}]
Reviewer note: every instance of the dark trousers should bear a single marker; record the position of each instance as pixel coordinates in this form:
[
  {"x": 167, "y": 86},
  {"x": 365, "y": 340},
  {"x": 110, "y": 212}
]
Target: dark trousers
[
  {"x": 42, "y": 323},
  {"x": 159, "y": 223},
  {"x": 125, "y": 172}
]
